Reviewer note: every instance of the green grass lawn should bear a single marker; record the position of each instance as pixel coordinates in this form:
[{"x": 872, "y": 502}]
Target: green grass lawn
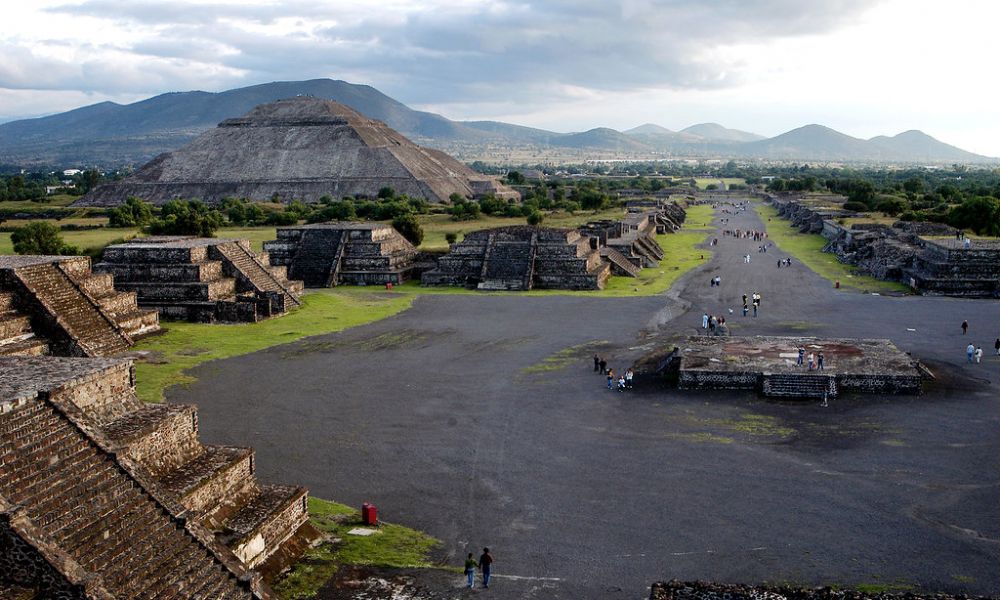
[
  {"x": 53, "y": 201},
  {"x": 808, "y": 249},
  {"x": 392, "y": 546},
  {"x": 183, "y": 346}
]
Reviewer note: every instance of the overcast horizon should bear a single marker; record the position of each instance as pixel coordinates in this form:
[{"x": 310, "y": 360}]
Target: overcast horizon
[{"x": 864, "y": 68}]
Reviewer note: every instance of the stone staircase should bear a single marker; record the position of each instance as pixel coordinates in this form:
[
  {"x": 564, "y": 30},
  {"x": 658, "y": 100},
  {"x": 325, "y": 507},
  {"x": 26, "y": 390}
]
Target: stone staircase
[
  {"x": 69, "y": 499},
  {"x": 216, "y": 485},
  {"x": 506, "y": 265},
  {"x": 88, "y": 330},
  {"x": 620, "y": 264},
  {"x": 798, "y": 385},
  {"x": 246, "y": 266},
  {"x": 313, "y": 260},
  {"x": 16, "y": 336}
]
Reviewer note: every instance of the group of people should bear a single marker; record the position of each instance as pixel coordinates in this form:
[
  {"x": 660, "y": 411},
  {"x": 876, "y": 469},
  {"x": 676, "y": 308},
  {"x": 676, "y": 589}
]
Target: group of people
[
  {"x": 784, "y": 261},
  {"x": 758, "y": 236},
  {"x": 712, "y": 322},
  {"x": 715, "y": 281},
  {"x": 754, "y": 301},
  {"x": 815, "y": 360},
  {"x": 485, "y": 564},
  {"x": 623, "y": 381},
  {"x": 974, "y": 353}
]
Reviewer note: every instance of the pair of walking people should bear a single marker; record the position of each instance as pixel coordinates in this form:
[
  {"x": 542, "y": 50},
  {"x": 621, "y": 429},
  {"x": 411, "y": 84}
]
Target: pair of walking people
[{"x": 485, "y": 565}]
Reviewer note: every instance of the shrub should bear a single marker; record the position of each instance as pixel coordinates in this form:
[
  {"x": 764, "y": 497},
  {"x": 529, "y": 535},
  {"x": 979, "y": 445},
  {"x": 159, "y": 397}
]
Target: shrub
[
  {"x": 451, "y": 237},
  {"x": 186, "y": 217},
  {"x": 408, "y": 226},
  {"x": 40, "y": 238},
  {"x": 856, "y": 206},
  {"x": 535, "y": 218},
  {"x": 134, "y": 213}
]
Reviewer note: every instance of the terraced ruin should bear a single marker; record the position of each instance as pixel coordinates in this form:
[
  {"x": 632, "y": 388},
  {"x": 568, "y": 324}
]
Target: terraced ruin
[
  {"x": 164, "y": 511},
  {"x": 201, "y": 279},
  {"x": 931, "y": 258},
  {"x": 56, "y": 305},
  {"x": 329, "y": 254},
  {"x": 522, "y": 258}
]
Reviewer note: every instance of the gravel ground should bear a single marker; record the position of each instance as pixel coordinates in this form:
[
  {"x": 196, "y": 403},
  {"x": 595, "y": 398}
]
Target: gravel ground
[{"x": 444, "y": 419}]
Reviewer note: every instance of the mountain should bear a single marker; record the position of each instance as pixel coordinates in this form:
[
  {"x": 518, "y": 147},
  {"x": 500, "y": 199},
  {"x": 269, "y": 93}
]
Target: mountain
[
  {"x": 717, "y": 133},
  {"x": 110, "y": 135},
  {"x": 648, "y": 129}
]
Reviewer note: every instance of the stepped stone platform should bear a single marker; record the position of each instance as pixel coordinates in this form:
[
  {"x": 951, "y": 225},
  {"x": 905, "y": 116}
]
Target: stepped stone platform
[
  {"x": 56, "y": 305},
  {"x": 668, "y": 215},
  {"x": 522, "y": 258},
  {"x": 301, "y": 148},
  {"x": 201, "y": 279},
  {"x": 80, "y": 514},
  {"x": 85, "y": 407},
  {"x": 768, "y": 365},
  {"x": 633, "y": 237},
  {"x": 329, "y": 254}
]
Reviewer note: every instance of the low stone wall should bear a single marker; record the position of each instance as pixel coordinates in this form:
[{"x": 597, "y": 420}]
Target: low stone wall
[{"x": 703, "y": 590}]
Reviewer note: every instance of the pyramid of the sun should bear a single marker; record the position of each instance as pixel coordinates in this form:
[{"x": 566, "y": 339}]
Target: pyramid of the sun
[{"x": 301, "y": 148}]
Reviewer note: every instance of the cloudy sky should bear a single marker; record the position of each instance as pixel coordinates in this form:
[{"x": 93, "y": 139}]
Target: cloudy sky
[{"x": 864, "y": 67}]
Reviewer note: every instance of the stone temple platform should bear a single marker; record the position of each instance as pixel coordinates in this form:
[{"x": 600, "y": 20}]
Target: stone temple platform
[{"x": 768, "y": 365}]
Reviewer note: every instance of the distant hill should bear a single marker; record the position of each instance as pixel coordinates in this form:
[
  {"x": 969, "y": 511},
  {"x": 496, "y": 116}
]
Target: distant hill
[
  {"x": 111, "y": 135},
  {"x": 717, "y": 133}
]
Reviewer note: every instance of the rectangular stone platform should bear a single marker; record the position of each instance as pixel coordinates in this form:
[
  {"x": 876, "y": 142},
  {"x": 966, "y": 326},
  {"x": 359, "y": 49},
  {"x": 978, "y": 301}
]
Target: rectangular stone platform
[{"x": 768, "y": 365}]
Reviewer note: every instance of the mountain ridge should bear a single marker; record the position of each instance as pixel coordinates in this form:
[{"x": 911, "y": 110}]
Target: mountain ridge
[{"x": 109, "y": 134}]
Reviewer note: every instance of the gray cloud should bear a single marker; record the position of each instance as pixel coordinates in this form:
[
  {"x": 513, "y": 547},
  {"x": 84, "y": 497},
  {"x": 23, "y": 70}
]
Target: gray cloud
[{"x": 437, "y": 53}]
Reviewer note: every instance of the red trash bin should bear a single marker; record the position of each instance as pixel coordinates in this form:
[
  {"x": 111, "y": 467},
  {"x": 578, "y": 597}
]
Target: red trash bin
[{"x": 369, "y": 514}]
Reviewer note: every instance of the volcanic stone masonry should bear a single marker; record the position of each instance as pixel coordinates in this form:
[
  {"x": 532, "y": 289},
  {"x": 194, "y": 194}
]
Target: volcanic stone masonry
[
  {"x": 768, "y": 365},
  {"x": 201, "y": 279},
  {"x": 522, "y": 258},
  {"x": 56, "y": 305},
  {"x": 926, "y": 256},
  {"x": 298, "y": 149},
  {"x": 116, "y": 494},
  {"x": 329, "y": 254}
]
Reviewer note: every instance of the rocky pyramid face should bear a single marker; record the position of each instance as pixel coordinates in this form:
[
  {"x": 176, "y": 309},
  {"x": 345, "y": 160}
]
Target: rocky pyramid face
[{"x": 301, "y": 148}]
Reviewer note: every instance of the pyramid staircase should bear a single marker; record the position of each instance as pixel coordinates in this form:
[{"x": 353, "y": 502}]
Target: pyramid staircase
[
  {"x": 799, "y": 385},
  {"x": 620, "y": 264},
  {"x": 66, "y": 499},
  {"x": 57, "y": 305}
]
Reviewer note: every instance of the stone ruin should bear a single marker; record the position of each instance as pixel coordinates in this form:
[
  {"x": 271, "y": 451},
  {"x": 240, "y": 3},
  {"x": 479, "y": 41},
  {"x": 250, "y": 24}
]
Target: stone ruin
[
  {"x": 669, "y": 216},
  {"x": 522, "y": 257},
  {"x": 56, "y": 305},
  {"x": 201, "y": 279},
  {"x": 301, "y": 148},
  {"x": 330, "y": 254},
  {"x": 768, "y": 366},
  {"x": 810, "y": 214},
  {"x": 102, "y": 496},
  {"x": 629, "y": 244}
]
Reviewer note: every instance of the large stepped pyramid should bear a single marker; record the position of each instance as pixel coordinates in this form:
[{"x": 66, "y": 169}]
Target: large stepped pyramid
[
  {"x": 201, "y": 279},
  {"x": 328, "y": 254},
  {"x": 55, "y": 304},
  {"x": 79, "y": 521},
  {"x": 522, "y": 258},
  {"x": 264, "y": 526},
  {"x": 301, "y": 148}
]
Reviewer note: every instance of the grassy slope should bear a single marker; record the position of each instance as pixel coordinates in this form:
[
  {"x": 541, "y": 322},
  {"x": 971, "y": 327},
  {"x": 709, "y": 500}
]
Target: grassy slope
[
  {"x": 186, "y": 345},
  {"x": 808, "y": 249},
  {"x": 392, "y": 546}
]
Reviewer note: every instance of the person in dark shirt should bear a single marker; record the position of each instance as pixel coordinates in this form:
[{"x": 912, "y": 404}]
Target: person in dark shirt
[{"x": 485, "y": 564}]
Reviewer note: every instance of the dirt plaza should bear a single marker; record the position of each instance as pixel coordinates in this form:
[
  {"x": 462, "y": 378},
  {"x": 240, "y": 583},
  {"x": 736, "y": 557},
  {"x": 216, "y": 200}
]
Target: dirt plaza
[{"x": 479, "y": 420}]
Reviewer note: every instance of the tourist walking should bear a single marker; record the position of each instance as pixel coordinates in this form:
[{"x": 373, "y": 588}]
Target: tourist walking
[
  {"x": 629, "y": 374},
  {"x": 970, "y": 351},
  {"x": 812, "y": 361},
  {"x": 597, "y": 363},
  {"x": 470, "y": 569},
  {"x": 965, "y": 327},
  {"x": 704, "y": 321},
  {"x": 979, "y": 355},
  {"x": 997, "y": 346},
  {"x": 802, "y": 351},
  {"x": 485, "y": 565},
  {"x": 604, "y": 365},
  {"x": 819, "y": 361},
  {"x": 611, "y": 379}
]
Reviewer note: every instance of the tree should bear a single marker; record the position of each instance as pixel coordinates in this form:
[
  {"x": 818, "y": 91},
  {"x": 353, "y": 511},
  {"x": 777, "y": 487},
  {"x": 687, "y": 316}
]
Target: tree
[
  {"x": 451, "y": 237},
  {"x": 40, "y": 238},
  {"x": 980, "y": 214},
  {"x": 387, "y": 193},
  {"x": 535, "y": 217},
  {"x": 891, "y": 205},
  {"x": 515, "y": 178},
  {"x": 914, "y": 185},
  {"x": 89, "y": 179},
  {"x": 134, "y": 213},
  {"x": 186, "y": 217},
  {"x": 408, "y": 226}
]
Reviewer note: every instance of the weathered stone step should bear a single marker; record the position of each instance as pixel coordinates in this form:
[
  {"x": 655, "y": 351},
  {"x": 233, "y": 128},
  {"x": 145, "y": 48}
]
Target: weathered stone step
[
  {"x": 269, "y": 519},
  {"x": 14, "y": 325},
  {"x": 218, "y": 477},
  {"x": 26, "y": 345}
]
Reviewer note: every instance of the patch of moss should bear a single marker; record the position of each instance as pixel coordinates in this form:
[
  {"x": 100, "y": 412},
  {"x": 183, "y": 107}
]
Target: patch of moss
[{"x": 565, "y": 357}]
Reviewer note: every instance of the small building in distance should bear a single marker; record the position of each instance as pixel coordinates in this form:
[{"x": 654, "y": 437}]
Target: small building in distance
[
  {"x": 301, "y": 148},
  {"x": 329, "y": 254},
  {"x": 56, "y": 305},
  {"x": 201, "y": 279},
  {"x": 522, "y": 257}
]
